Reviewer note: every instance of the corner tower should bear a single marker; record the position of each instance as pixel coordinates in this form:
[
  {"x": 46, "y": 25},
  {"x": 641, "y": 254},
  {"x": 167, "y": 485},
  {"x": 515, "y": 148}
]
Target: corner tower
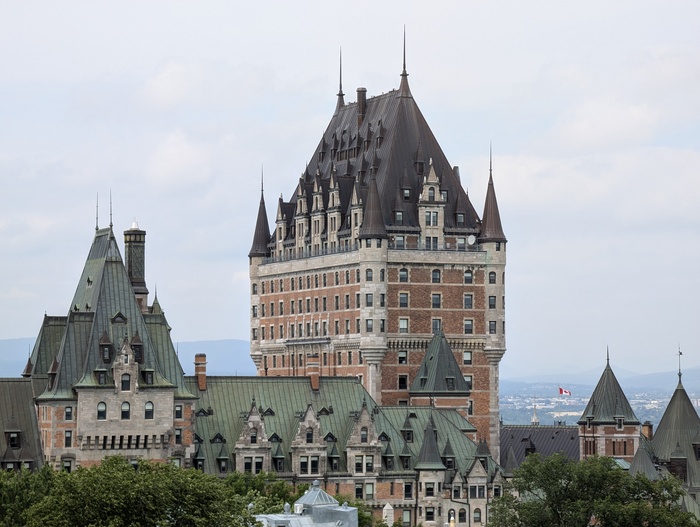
[{"x": 377, "y": 249}]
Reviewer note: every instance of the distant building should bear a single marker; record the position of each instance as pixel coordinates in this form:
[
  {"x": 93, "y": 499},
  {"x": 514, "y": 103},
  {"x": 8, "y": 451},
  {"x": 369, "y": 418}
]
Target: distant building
[{"x": 378, "y": 248}]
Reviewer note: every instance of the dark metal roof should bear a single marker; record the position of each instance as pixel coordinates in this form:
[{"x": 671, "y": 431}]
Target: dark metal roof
[
  {"x": 608, "y": 402},
  {"x": 261, "y": 237},
  {"x": 19, "y": 415},
  {"x": 491, "y": 229},
  {"x": 439, "y": 372},
  {"x": 372, "y": 224},
  {"x": 517, "y": 440},
  {"x": 429, "y": 456}
]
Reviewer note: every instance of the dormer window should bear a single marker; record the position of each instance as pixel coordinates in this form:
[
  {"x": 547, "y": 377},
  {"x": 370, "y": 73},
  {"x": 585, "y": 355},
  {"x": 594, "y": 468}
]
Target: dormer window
[
  {"x": 253, "y": 436},
  {"x": 460, "y": 219},
  {"x": 106, "y": 352},
  {"x": 443, "y": 195},
  {"x": 620, "y": 422},
  {"x": 309, "y": 435},
  {"x": 101, "y": 377},
  {"x": 126, "y": 382},
  {"x": 138, "y": 352},
  {"x": 431, "y": 194},
  {"x": 407, "y": 194},
  {"x": 398, "y": 217},
  {"x": 13, "y": 439},
  {"x": 450, "y": 382},
  {"x": 363, "y": 434},
  {"x": 148, "y": 376},
  {"x": 408, "y": 436}
]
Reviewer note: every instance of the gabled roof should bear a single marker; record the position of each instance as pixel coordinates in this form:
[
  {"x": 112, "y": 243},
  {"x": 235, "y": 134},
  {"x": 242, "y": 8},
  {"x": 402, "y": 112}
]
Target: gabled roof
[
  {"x": 104, "y": 309},
  {"x": 608, "y": 402},
  {"x": 439, "y": 373}
]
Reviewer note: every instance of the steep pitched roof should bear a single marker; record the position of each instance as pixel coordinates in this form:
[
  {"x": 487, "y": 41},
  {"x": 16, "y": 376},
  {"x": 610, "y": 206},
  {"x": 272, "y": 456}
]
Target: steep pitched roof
[
  {"x": 439, "y": 373},
  {"x": 491, "y": 229},
  {"x": 19, "y": 416},
  {"x": 516, "y": 440},
  {"x": 261, "y": 237},
  {"x": 680, "y": 424},
  {"x": 104, "y": 306},
  {"x": 373, "y": 223},
  {"x": 608, "y": 402},
  {"x": 429, "y": 456}
]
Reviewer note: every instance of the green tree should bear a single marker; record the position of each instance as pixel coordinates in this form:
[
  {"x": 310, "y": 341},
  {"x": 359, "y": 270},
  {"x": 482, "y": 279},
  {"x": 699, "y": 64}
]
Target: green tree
[
  {"x": 555, "y": 491},
  {"x": 21, "y": 490}
]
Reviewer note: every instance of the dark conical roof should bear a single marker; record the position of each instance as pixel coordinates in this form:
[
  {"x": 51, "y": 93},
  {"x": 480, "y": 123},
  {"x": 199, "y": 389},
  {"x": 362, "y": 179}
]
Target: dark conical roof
[
  {"x": 491, "y": 229},
  {"x": 373, "y": 222},
  {"x": 429, "y": 456},
  {"x": 680, "y": 423},
  {"x": 608, "y": 402},
  {"x": 439, "y": 373},
  {"x": 644, "y": 464},
  {"x": 262, "y": 231}
]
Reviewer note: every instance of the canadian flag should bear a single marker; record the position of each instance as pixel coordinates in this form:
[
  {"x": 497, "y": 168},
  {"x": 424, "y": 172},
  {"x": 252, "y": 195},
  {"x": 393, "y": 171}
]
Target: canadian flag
[{"x": 562, "y": 391}]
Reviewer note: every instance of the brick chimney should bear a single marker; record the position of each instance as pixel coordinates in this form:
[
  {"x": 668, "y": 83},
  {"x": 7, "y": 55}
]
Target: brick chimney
[
  {"x": 200, "y": 370},
  {"x": 361, "y": 105},
  {"x": 313, "y": 370},
  {"x": 648, "y": 430},
  {"x": 135, "y": 263}
]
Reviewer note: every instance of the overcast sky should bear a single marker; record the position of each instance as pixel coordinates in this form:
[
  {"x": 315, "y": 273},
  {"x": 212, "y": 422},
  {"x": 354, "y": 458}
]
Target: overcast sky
[{"x": 593, "y": 109}]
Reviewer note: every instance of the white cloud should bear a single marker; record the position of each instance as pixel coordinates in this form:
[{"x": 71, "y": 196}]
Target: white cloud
[
  {"x": 171, "y": 86},
  {"x": 178, "y": 162}
]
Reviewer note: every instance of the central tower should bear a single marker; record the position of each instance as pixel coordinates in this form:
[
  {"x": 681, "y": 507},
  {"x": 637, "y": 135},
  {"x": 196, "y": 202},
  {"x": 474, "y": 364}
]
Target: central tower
[{"x": 378, "y": 248}]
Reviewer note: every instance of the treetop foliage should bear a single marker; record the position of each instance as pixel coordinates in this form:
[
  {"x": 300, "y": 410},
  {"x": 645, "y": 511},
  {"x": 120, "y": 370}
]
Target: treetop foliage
[{"x": 557, "y": 492}]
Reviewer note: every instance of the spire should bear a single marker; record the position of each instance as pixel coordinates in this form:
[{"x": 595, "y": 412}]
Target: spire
[
  {"x": 341, "y": 95},
  {"x": 97, "y": 212},
  {"x": 404, "y": 90},
  {"x": 373, "y": 221},
  {"x": 110, "y": 208},
  {"x": 608, "y": 402},
  {"x": 429, "y": 455},
  {"x": 262, "y": 228},
  {"x": 680, "y": 374},
  {"x": 491, "y": 229}
]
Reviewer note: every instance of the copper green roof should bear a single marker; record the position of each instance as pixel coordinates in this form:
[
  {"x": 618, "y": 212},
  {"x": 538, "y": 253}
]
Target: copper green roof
[
  {"x": 608, "y": 402},
  {"x": 429, "y": 456},
  {"x": 439, "y": 373},
  {"x": 104, "y": 308}
]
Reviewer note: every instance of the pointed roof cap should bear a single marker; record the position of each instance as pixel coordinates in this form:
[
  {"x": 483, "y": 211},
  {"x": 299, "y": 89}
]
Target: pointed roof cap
[
  {"x": 491, "y": 229},
  {"x": 429, "y": 456},
  {"x": 643, "y": 464},
  {"x": 341, "y": 95},
  {"x": 439, "y": 372},
  {"x": 679, "y": 424},
  {"x": 262, "y": 230},
  {"x": 316, "y": 496},
  {"x": 511, "y": 462},
  {"x": 608, "y": 402},
  {"x": 404, "y": 90},
  {"x": 373, "y": 221}
]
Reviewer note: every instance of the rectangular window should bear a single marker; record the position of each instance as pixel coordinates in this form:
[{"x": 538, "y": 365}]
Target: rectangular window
[
  {"x": 468, "y": 327},
  {"x": 468, "y": 380},
  {"x": 69, "y": 413},
  {"x": 358, "y": 491},
  {"x": 178, "y": 411},
  {"x": 347, "y": 301},
  {"x": 403, "y": 299},
  {"x": 369, "y": 299},
  {"x": 436, "y": 325},
  {"x": 430, "y": 489},
  {"x": 408, "y": 491},
  {"x": 403, "y": 357},
  {"x": 492, "y": 302},
  {"x": 291, "y": 306},
  {"x": 468, "y": 301},
  {"x": 304, "y": 464},
  {"x": 403, "y": 382},
  {"x": 281, "y": 308},
  {"x": 337, "y": 327},
  {"x": 68, "y": 438},
  {"x": 467, "y": 357},
  {"x": 337, "y": 302},
  {"x": 492, "y": 327},
  {"x": 430, "y": 514},
  {"x": 403, "y": 325},
  {"x": 382, "y": 300},
  {"x": 358, "y": 464},
  {"x": 316, "y": 305},
  {"x": 369, "y": 491},
  {"x": 248, "y": 465},
  {"x": 314, "y": 463},
  {"x": 178, "y": 436},
  {"x": 258, "y": 465},
  {"x": 436, "y": 300},
  {"x": 370, "y": 325}
]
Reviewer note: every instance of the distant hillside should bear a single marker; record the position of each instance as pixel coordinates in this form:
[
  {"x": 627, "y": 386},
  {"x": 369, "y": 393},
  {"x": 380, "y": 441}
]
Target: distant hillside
[{"x": 224, "y": 357}]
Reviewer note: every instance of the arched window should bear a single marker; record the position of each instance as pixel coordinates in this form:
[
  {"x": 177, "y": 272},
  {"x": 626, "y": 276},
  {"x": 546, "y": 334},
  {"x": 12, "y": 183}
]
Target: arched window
[
  {"x": 126, "y": 382},
  {"x": 347, "y": 277},
  {"x": 462, "y": 518},
  {"x": 436, "y": 276},
  {"x": 148, "y": 410},
  {"x": 451, "y": 515},
  {"x": 101, "y": 411},
  {"x": 492, "y": 277},
  {"x": 357, "y": 276},
  {"x": 369, "y": 275},
  {"x": 477, "y": 515},
  {"x": 363, "y": 434},
  {"x": 381, "y": 275},
  {"x": 126, "y": 411},
  {"x": 403, "y": 275},
  {"x": 309, "y": 435},
  {"x": 431, "y": 194},
  {"x": 468, "y": 277}
]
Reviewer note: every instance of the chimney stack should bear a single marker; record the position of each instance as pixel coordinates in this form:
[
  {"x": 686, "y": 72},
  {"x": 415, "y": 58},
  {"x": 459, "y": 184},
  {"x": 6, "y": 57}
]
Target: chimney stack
[
  {"x": 313, "y": 370},
  {"x": 648, "y": 430},
  {"x": 200, "y": 371},
  {"x": 361, "y": 105},
  {"x": 135, "y": 262}
]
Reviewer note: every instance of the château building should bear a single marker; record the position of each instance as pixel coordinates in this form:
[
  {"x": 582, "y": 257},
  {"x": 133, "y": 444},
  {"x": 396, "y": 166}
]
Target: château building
[{"x": 377, "y": 249}]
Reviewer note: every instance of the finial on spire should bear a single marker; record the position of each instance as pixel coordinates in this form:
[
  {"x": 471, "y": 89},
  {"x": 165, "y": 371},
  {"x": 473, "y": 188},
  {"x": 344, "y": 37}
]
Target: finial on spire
[
  {"x": 340, "y": 75},
  {"x": 680, "y": 353},
  {"x": 110, "y": 208},
  {"x": 490, "y": 160},
  {"x": 404, "y": 50},
  {"x": 607, "y": 353},
  {"x": 97, "y": 212},
  {"x": 262, "y": 177}
]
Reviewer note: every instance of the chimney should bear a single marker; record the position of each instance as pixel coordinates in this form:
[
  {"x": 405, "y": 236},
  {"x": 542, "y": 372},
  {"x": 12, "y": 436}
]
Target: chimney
[
  {"x": 648, "y": 430},
  {"x": 135, "y": 262},
  {"x": 313, "y": 370},
  {"x": 361, "y": 105},
  {"x": 200, "y": 370}
]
